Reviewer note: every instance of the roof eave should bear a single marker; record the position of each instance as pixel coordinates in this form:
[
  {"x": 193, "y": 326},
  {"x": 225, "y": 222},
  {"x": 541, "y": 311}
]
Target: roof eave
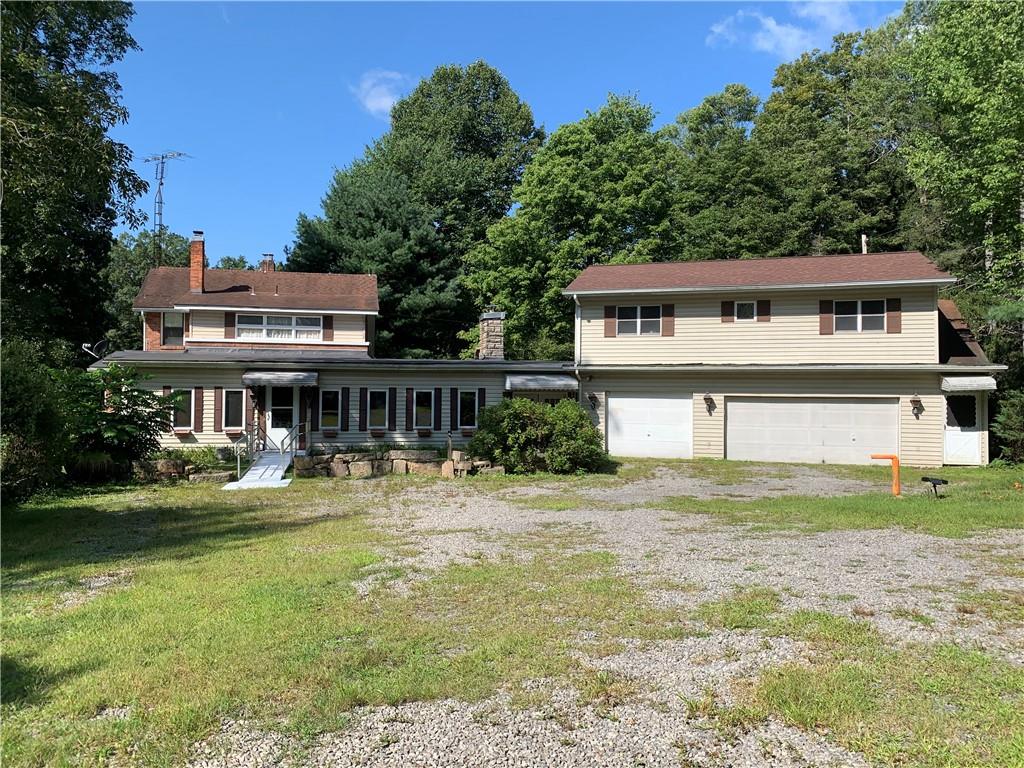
[{"x": 763, "y": 287}]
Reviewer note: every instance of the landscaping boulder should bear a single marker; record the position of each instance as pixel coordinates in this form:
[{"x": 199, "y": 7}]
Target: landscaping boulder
[
  {"x": 211, "y": 477},
  {"x": 144, "y": 471},
  {"x": 371, "y": 468},
  {"x": 413, "y": 455},
  {"x": 168, "y": 467},
  {"x": 425, "y": 467},
  {"x": 350, "y": 457},
  {"x": 320, "y": 470},
  {"x": 499, "y": 470},
  {"x": 303, "y": 462},
  {"x": 339, "y": 469},
  {"x": 448, "y": 470},
  {"x": 399, "y": 466}
]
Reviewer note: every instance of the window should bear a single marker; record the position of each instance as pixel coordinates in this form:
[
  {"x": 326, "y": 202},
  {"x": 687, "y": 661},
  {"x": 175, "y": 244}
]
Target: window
[
  {"x": 853, "y": 316},
  {"x": 961, "y": 411},
  {"x": 746, "y": 310},
  {"x": 378, "y": 413},
  {"x": 282, "y": 407},
  {"x": 234, "y": 409},
  {"x": 173, "y": 334},
  {"x": 181, "y": 416},
  {"x": 638, "y": 321},
  {"x": 424, "y": 409},
  {"x": 279, "y": 327},
  {"x": 467, "y": 408},
  {"x": 330, "y": 409}
]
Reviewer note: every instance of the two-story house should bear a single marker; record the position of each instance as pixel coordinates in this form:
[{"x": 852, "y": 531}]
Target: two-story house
[
  {"x": 817, "y": 359},
  {"x": 808, "y": 359}
]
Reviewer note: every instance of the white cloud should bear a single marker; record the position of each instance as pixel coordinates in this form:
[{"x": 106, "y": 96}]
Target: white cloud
[
  {"x": 813, "y": 26},
  {"x": 378, "y": 90}
]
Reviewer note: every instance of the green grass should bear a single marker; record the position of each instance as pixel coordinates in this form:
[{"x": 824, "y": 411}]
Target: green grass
[
  {"x": 977, "y": 499},
  {"x": 747, "y": 608},
  {"x": 931, "y": 706},
  {"x": 244, "y": 603}
]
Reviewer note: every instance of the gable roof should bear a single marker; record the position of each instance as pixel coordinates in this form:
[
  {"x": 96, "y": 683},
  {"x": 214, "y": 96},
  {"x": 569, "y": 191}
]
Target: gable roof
[
  {"x": 168, "y": 287},
  {"x": 787, "y": 271}
]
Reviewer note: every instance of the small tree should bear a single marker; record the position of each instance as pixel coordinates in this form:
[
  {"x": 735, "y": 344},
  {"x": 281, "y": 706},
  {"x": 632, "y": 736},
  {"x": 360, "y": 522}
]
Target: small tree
[{"x": 1008, "y": 426}]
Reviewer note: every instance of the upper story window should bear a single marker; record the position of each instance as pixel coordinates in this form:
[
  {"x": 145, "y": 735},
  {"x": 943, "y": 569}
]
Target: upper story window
[
  {"x": 860, "y": 315},
  {"x": 172, "y": 332},
  {"x": 643, "y": 320},
  {"x": 279, "y": 327},
  {"x": 746, "y": 310}
]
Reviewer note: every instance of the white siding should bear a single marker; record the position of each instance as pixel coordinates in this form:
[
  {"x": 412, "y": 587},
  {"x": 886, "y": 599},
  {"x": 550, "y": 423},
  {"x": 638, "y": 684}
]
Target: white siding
[{"x": 792, "y": 335}]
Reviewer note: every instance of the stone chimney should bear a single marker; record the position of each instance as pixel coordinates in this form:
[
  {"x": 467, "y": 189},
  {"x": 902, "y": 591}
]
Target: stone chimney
[
  {"x": 492, "y": 336},
  {"x": 197, "y": 262},
  {"x": 267, "y": 264}
]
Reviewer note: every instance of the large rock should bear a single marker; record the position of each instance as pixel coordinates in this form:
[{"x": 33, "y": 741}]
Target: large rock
[
  {"x": 170, "y": 466},
  {"x": 350, "y": 457},
  {"x": 339, "y": 469},
  {"x": 399, "y": 466},
  {"x": 321, "y": 470},
  {"x": 425, "y": 467},
  {"x": 211, "y": 477},
  {"x": 498, "y": 470},
  {"x": 413, "y": 455},
  {"x": 144, "y": 470},
  {"x": 459, "y": 456},
  {"x": 373, "y": 468},
  {"x": 448, "y": 470},
  {"x": 304, "y": 462}
]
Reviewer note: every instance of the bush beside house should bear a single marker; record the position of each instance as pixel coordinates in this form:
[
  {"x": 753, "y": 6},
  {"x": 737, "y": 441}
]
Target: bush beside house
[{"x": 526, "y": 436}]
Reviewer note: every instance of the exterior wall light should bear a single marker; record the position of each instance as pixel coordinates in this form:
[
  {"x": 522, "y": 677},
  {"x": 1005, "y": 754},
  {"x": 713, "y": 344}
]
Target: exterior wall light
[
  {"x": 916, "y": 406},
  {"x": 709, "y": 403},
  {"x": 592, "y": 399}
]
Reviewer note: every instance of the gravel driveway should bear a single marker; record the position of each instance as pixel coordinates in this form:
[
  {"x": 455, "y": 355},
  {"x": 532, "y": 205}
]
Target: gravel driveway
[{"x": 891, "y": 577}]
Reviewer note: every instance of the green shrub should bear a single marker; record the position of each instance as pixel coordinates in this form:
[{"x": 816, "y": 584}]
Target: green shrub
[
  {"x": 1008, "y": 426},
  {"x": 202, "y": 458},
  {"x": 526, "y": 436}
]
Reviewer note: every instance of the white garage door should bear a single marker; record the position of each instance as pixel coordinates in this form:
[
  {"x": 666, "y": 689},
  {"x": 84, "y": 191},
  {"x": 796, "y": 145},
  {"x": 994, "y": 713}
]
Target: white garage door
[
  {"x": 811, "y": 430},
  {"x": 659, "y": 427}
]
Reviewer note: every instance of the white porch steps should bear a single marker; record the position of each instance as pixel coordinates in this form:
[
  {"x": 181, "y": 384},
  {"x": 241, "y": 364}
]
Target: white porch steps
[{"x": 266, "y": 472}]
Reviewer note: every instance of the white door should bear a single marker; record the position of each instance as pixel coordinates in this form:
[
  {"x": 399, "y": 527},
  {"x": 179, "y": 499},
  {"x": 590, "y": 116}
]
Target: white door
[
  {"x": 962, "y": 437},
  {"x": 660, "y": 427},
  {"x": 281, "y": 415},
  {"x": 811, "y": 430}
]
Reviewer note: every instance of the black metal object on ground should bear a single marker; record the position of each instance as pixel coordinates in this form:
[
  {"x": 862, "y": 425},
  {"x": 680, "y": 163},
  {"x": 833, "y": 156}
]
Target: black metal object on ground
[{"x": 936, "y": 482}]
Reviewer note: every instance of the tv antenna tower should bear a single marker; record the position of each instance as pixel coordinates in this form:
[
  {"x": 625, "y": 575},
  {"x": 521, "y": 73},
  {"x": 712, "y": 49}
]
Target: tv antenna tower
[{"x": 158, "y": 199}]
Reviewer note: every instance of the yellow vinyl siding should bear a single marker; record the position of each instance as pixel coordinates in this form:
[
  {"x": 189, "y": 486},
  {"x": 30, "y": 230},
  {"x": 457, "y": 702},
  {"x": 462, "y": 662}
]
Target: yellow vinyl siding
[
  {"x": 207, "y": 325},
  {"x": 350, "y": 329},
  {"x": 921, "y": 438},
  {"x": 792, "y": 336}
]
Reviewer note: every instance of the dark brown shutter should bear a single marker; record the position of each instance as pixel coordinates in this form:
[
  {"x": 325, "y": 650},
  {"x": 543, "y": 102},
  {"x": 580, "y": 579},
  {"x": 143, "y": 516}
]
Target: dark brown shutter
[
  {"x": 328, "y": 321},
  {"x": 728, "y": 311},
  {"x": 481, "y": 403},
  {"x": 218, "y": 404},
  {"x": 314, "y": 410},
  {"x": 392, "y": 409},
  {"x": 437, "y": 408},
  {"x": 893, "y": 315},
  {"x": 668, "y": 319},
  {"x": 609, "y": 320},
  {"x": 408, "y": 409},
  {"x": 363, "y": 397},
  {"x": 764, "y": 311},
  {"x": 344, "y": 409},
  {"x": 453, "y": 408},
  {"x": 229, "y": 325},
  {"x": 250, "y": 409},
  {"x": 825, "y": 324},
  {"x": 197, "y": 421}
]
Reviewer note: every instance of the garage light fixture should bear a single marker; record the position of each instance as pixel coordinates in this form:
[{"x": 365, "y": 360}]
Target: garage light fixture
[
  {"x": 592, "y": 399},
  {"x": 709, "y": 403},
  {"x": 916, "y": 406}
]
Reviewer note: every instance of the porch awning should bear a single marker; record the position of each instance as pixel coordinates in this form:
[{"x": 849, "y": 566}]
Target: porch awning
[
  {"x": 968, "y": 383},
  {"x": 280, "y": 378},
  {"x": 560, "y": 382}
]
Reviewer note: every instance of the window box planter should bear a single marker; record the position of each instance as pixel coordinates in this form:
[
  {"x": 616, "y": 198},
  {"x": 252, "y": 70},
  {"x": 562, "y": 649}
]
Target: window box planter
[
  {"x": 330, "y": 433},
  {"x": 469, "y": 432},
  {"x": 377, "y": 432},
  {"x": 182, "y": 431},
  {"x": 423, "y": 433}
]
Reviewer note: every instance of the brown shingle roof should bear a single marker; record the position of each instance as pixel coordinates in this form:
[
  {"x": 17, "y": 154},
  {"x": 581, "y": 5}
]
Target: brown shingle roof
[
  {"x": 743, "y": 273},
  {"x": 166, "y": 287}
]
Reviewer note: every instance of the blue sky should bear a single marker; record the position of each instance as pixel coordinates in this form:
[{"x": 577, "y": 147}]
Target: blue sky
[{"x": 270, "y": 98}]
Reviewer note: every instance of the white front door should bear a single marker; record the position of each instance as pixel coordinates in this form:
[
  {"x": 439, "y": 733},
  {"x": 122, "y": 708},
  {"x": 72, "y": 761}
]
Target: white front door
[
  {"x": 826, "y": 430},
  {"x": 281, "y": 412},
  {"x": 963, "y": 436},
  {"x": 660, "y": 427}
]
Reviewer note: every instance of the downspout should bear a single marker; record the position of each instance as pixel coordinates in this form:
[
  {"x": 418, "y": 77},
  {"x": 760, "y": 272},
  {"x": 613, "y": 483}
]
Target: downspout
[{"x": 577, "y": 347}]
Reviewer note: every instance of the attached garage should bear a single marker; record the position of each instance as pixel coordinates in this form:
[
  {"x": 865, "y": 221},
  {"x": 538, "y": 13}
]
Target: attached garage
[
  {"x": 811, "y": 430},
  {"x": 641, "y": 425}
]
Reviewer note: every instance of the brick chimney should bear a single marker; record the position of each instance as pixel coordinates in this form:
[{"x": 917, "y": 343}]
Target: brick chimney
[
  {"x": 492, "y": 336},
  {"x": 267, "y": 265},
  {"x": 197, "y": 262}
]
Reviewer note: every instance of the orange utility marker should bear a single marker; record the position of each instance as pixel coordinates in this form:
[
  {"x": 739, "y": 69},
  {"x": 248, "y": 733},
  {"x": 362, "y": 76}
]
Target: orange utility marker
[{"x": 895, "y": 469}]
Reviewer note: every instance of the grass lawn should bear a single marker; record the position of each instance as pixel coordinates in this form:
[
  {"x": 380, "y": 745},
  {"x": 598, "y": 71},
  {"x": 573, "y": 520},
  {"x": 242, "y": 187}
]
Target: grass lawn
[{"x": 173, "y": 606}]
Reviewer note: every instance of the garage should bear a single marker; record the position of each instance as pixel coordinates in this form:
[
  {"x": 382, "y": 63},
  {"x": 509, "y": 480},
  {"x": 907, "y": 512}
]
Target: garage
[
  {"x": 811, "y": 430},
  {"x": 660, "y": 427}
]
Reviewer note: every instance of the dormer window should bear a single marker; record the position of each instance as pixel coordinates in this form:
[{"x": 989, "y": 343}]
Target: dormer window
[
  {"x": 643, "y": 320},
  {"x": 279, "y": 327},
  {"x": 172, "y": 333},
  {"x": 860, "y": 316}
]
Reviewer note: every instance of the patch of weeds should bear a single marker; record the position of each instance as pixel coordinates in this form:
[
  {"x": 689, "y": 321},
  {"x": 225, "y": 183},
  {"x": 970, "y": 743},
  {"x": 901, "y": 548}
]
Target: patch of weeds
[
  {"x": 1004, "y": 607},
  {"x": 747, "y": 608},
  {"x": 915, "y": 616},
  {"x": 603, "y": 689}
]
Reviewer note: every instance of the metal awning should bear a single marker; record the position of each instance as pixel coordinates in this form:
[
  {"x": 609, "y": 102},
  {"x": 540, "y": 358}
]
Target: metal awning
[
  {"x": 281, "y": 378},
  {"x": 560, "y": 382},
  {"x": 968, "y": 384}
]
